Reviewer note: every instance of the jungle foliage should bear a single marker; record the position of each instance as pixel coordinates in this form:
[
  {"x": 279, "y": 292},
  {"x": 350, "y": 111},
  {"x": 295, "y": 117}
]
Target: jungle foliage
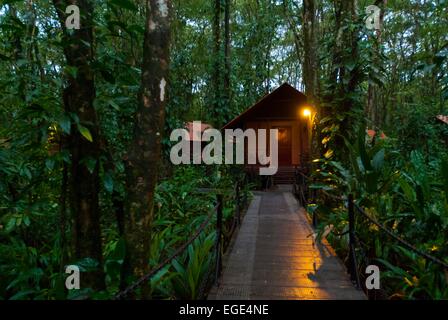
[{"x": 223, "y": 56}]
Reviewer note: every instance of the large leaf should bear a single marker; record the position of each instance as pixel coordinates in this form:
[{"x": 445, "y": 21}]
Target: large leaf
[
  {"x": 411, "y": 196},
  {"x": 85, "y": 132},
  {"x": 65, "y": 124},
  {"x": 353, "y": 159},
  {"x": 407, "y": 189},
  {"x": 362, "y": 150},
  {"x": 378, "y": 160},
  {"x": 108, "y": 182},
  {"x": 22, "y": 295}
]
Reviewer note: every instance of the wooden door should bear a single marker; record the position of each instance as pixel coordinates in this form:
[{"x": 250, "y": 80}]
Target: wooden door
[{"x": 284, "y": 145}]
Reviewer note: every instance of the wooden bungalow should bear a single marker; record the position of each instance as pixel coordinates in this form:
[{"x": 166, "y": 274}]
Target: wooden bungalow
[{"x": 287, "y": 110}]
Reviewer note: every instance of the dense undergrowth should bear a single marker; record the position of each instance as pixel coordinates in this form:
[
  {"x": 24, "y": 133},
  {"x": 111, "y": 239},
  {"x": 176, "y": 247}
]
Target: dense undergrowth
[
  {"x": 32, "y": 270},
  {"x": 405, "y": 191}
]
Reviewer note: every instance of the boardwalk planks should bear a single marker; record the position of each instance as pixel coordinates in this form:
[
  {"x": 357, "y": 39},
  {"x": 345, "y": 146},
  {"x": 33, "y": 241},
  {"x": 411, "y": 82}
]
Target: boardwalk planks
[{"x": 275, "y": 257}]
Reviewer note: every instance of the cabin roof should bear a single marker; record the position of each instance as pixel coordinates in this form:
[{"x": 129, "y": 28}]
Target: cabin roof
[
  {"x": 443, "y": 118},
  {"x": 373, "y": 134},
  {"x": 282, "y": 103},
  {"x": 196, "y": 136}
]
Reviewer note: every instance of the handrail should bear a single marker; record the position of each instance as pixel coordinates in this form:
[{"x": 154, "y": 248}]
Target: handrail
[
  {"x": 218, "y": 209},
  {"x": 352, "y": 206},
  {"x": 401, "y": 240},
  {"x": 352, "y": 243},
  {"x": 122, "y": 294}
]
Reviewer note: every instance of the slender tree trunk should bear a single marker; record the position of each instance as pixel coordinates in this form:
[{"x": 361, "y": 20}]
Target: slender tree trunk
[
  {"x": 18, "y": 54},
  {"x": 79, "y": 96},
  {"x": 296, "y": 35},
  {"x": 63, "y": 218},
  {"x": 345, "y": 74},
  {"x": 227, "y": 61},
  {"x": 145, "y": 150},
  {"x": 217, "y": 64},
  {"x": 310, "y": 70},
  {"x": 373, "y": 109}
]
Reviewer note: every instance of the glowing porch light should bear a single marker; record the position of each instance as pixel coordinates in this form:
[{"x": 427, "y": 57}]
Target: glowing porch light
[{"x": 307, "y": 112}]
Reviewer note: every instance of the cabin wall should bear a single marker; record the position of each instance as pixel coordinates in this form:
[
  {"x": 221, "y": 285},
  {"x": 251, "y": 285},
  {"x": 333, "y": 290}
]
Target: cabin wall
[{"x": 299, "y": 136}]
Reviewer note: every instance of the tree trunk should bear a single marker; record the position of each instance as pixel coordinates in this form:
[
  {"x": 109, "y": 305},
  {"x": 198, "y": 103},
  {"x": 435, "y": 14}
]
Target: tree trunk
[
  {"x": 145, "y": 150},
  {"x": 63, "y": 218},
  {"x": 345, "y": 75},
  {"x": 373, "y": 108},
  {"x": 79, "y": 96},
  {"x": 227, "y": 62},
  {"x": 310, "y": 70},
  {"x": 217, "y": 65}
]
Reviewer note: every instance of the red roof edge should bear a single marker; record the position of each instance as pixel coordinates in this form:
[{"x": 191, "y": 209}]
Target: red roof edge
[{"x": 443, "y": 118}]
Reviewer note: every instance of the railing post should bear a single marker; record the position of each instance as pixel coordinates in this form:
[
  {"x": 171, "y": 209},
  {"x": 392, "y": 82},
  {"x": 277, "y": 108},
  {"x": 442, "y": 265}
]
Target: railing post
[
  {"x": 238, "y": 203},
  {"x": 296, "y": 183},
  {"x": 218, "y": 236},
  {"x": 244, "y": 197},
  {"x": 351, "y": 232},
  {"x": 315, "y": 218}
]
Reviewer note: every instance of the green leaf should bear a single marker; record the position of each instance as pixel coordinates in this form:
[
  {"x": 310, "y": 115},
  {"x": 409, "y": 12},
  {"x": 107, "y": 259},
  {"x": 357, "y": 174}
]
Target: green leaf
[
  {"x": 49, "y": 163},
  {"x": 410, "y": 196},
  {"x": 87, "y": 265},
  {"x": 19, "y": 221},
  {"x": 65, "y": 124},
  {"x": 114, "y": 105},
  {"x": 120, "y": 250},
  {"x": 125, "y": 4},
  {"x": 178, "y": 267},
  {"x": 22, "y": 295},
  {"x": 82, "y": 294},
  {"x": 75, "y": 117},
  {"x": 350, "y": 65},
  {"x": 90, "y": 163},
  {"x": 396, "y": 270},
  {"x": 378, "y": 160},
  {"x": 108, "y": 182},
  {"x": 26, "y": 221},
  {"x": 353, "y": 159},
  {"x": 407, "y": 189},
  {"x": 26, "y": 172},
  {"x": 362, "y": 150},
  {"x": 85, "y": 132},
  {"x": 10, "y": 225},
  {"x": 378, "y": 248}
]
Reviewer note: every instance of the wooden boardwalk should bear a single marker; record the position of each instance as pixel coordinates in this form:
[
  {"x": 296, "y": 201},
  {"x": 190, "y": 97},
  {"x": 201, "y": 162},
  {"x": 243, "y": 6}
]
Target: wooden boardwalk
[{"x": 274, "y": 257}]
